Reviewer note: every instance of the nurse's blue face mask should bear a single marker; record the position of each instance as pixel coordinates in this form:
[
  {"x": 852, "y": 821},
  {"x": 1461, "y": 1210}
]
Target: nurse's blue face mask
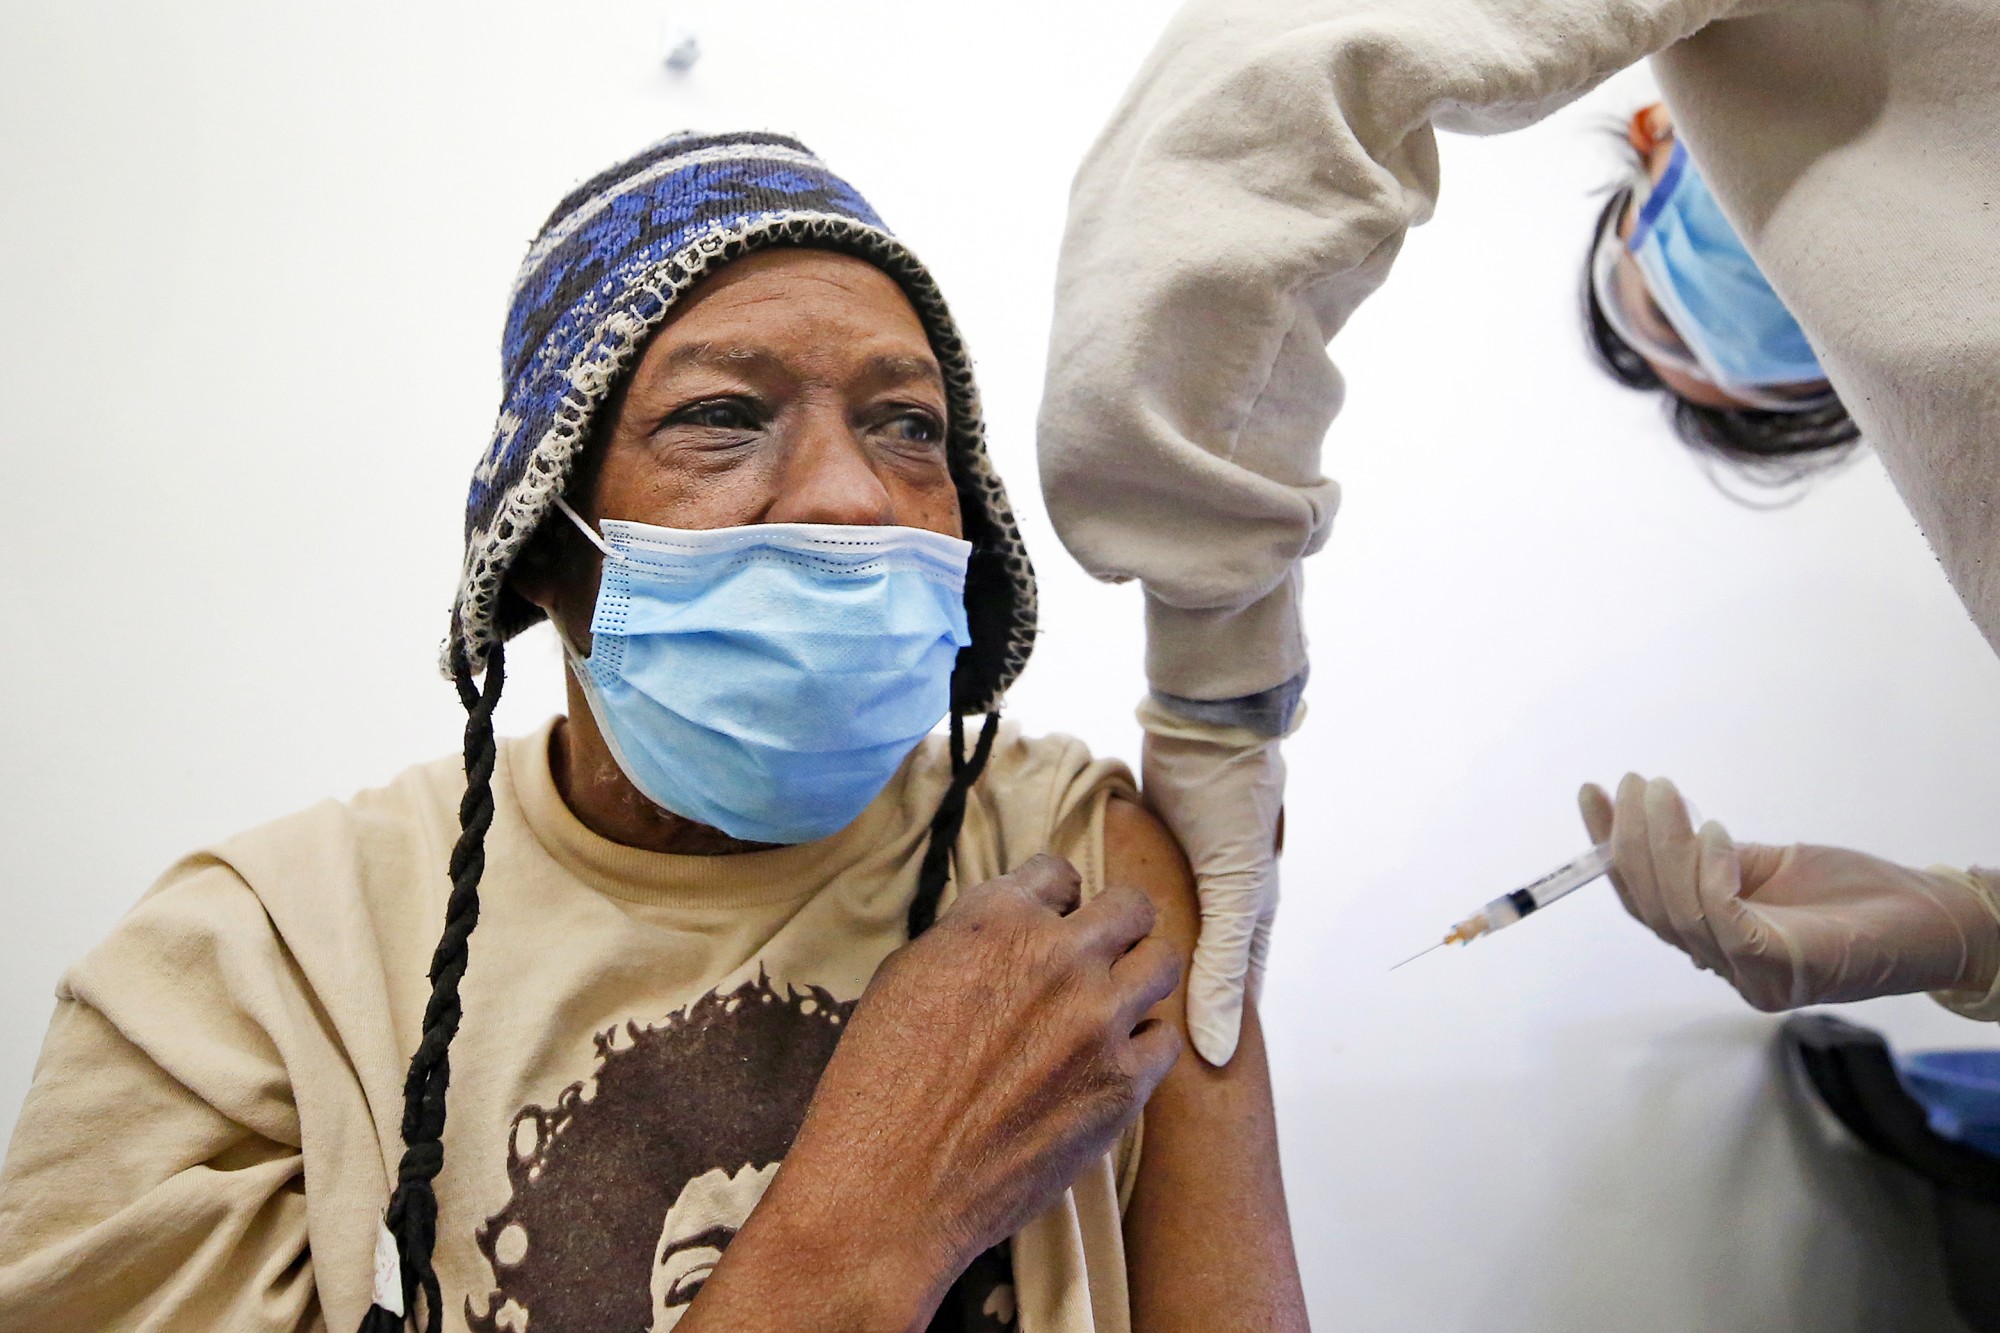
[
  {"x": 1739, "y": 336},
  {"x": 768, "y": 680}
]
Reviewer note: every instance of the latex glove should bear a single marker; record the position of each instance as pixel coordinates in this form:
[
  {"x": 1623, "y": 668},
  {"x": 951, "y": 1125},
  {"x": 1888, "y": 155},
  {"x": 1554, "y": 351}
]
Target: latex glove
[
  {"x": 1791, "y": 926},
  {"x": 1221, "y": 790}
]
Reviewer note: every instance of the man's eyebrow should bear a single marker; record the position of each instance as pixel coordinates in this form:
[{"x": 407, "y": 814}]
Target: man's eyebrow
[
  {"x": 902, "y": 370},
  {"x": 723, "y": 358},
  {"x": 882, "y": 369}
]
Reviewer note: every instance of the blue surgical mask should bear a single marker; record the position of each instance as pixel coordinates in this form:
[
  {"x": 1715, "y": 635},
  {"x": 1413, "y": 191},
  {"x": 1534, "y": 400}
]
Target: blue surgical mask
[
  {"x": 768, "y": 680},
  {"x": 1710, "y": 289}
]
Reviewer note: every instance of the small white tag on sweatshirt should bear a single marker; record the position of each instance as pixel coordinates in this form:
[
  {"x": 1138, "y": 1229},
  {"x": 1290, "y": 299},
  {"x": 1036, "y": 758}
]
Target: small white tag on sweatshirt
[{"x": 388, "y": 1271}]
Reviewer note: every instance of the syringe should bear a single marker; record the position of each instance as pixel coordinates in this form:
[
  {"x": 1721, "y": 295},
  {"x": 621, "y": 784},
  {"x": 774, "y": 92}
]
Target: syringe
[{"x": 1508, "y": 908}]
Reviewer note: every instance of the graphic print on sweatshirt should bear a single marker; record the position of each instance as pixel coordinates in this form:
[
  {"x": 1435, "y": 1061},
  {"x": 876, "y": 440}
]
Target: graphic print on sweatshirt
[{"x": 625, "y": 1193}]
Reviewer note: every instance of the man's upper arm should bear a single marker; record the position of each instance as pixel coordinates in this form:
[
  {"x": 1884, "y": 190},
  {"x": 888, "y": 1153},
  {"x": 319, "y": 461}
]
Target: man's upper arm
[
  {"x": 130, "y": 1196},
  {"x": 1211, "y": 1145}
]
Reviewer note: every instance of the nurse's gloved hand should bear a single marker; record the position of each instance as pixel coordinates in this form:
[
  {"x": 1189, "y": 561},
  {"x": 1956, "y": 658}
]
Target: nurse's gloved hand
[
  {"x": 1221, "y": 790},
  {"x": 1798, "y": 925}
]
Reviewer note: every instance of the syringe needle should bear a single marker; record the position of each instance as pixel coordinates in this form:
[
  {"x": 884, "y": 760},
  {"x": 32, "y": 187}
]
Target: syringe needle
[
  {"x": 1419, "y": 954},
  {"x": 1505, "y": 910}
]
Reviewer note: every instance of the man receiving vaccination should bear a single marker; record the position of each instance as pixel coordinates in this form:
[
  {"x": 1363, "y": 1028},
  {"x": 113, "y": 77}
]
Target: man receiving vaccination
[{"x": 750, "y": 1003}]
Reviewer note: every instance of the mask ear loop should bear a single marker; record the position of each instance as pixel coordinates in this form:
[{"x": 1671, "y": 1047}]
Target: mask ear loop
[
  {"x": 576, "y": 657},
  {"x": 589, "y": 532}
]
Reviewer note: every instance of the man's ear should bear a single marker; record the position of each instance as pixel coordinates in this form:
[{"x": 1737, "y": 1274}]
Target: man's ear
[
  {"x": 557, "y": 573},
  {"x": 537, "y": 570}
]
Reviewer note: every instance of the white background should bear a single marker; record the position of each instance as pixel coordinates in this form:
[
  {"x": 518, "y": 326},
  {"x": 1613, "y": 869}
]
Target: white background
[{"x": 255, "y": 258}]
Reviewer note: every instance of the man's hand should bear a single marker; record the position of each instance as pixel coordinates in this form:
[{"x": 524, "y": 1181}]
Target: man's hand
[
  {"x": 1791, "y": 926},
  {"x": 1222, "y": 792},
  {"x": 987, "y": 1063}
]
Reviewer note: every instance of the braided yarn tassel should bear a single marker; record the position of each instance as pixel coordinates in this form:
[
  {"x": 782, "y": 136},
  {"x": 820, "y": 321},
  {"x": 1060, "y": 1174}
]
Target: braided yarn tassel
[
  {"x": 411, "y": 1220},
  {"x": 936, "y": 867},
  {"x": 931, "y": 876}
]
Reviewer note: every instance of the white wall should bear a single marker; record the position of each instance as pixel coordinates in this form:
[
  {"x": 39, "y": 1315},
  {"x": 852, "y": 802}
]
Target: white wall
[{"x": 255, "y": 261}]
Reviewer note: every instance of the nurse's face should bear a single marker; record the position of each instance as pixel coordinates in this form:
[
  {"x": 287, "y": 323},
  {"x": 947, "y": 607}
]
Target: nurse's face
[
  {"x": 794, "y": 386},
  {"x": 1652, "y": 135}
]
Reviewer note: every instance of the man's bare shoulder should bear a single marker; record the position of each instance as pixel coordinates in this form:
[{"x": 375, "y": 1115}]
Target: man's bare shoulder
[{"x": 1139, "y": 850}]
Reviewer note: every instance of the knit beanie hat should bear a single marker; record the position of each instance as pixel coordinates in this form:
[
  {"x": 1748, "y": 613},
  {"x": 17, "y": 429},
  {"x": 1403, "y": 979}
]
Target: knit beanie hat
[{"x": 607, "y": 269}]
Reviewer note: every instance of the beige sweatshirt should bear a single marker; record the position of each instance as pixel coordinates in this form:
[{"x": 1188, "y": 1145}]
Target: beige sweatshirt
[
  {"x": 1255, "y": 184},
  {"x": 213, "y": 1125}
]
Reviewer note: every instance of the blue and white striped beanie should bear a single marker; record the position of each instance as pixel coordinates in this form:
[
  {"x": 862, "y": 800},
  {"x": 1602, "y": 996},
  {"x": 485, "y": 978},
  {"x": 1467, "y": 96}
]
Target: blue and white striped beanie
[{"x": 606, "y": 270}]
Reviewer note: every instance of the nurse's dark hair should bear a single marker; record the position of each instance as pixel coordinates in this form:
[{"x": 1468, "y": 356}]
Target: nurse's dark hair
[
  {"x": 1774, "y": 449},
  {"x": 412, "y": 1213}
]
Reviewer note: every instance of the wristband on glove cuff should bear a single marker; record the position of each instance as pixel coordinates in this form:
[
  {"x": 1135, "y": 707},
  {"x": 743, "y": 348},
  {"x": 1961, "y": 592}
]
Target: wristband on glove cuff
[
  {"x": 1273, "y": 712},
  {"x": 1982, "y": 1005}
]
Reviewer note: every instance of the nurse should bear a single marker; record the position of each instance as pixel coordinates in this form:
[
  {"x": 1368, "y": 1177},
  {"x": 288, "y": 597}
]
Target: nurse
[{"x": 1255, "y": 185}]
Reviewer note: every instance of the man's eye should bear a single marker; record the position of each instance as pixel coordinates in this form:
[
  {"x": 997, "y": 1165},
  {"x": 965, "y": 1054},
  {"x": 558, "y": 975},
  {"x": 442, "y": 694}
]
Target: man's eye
[
  {"x": 915, "y": 428},
  {"x": 717, "y": 414}
]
